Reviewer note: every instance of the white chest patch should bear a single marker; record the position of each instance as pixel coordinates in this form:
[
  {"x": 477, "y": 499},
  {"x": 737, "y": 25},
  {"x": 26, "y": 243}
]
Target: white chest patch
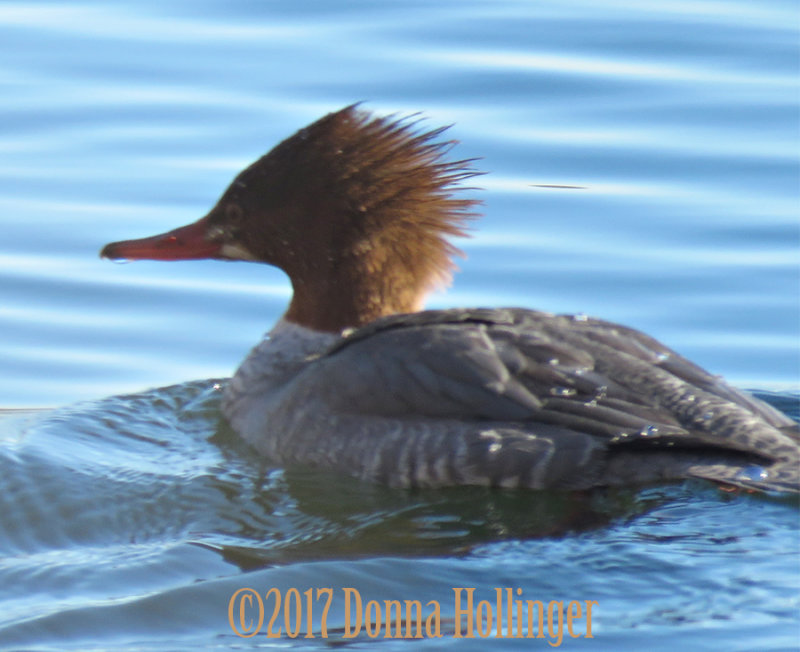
[{"x": 285, "y": 349}]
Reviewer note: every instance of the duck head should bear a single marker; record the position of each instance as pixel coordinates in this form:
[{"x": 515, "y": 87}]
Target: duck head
[{"x": 356, "y": 209}]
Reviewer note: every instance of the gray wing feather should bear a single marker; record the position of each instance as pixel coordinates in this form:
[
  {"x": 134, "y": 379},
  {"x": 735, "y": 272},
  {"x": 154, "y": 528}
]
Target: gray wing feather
[{"x": 575, "y": 377}]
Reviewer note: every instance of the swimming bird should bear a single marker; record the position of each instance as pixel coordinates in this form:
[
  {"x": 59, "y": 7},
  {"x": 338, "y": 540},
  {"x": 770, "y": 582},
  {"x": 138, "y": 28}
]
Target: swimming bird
[{"x": 357, "y": 210}]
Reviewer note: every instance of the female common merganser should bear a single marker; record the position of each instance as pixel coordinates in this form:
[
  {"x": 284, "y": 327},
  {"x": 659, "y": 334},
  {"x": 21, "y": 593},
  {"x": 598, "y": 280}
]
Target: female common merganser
[{"x": 356, "y": 210}]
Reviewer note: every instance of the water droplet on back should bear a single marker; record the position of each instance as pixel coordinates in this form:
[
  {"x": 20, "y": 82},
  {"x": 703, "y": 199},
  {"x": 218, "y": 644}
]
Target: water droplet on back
[{"x": 753, "y": 472}]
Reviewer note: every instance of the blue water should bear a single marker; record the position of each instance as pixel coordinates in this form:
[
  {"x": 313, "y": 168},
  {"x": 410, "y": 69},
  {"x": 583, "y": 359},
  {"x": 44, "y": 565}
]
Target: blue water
[{"x": 643, "y": 163}]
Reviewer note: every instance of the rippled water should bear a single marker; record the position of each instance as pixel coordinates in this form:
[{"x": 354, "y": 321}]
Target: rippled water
[{"x": 643, "y": 163}]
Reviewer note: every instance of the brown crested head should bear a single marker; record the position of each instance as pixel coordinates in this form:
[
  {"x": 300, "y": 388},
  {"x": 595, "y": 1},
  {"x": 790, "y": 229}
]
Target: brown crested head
[{"x": 356, "y": 209}]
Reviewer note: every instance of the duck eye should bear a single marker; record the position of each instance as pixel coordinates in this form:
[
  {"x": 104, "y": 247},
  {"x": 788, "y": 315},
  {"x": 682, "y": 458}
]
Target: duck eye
[{"x": 233, "y": 213}]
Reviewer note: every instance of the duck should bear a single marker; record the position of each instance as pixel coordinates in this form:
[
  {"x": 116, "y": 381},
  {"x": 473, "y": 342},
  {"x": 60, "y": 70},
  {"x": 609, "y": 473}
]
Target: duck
[{"x": 356, "y": 377}]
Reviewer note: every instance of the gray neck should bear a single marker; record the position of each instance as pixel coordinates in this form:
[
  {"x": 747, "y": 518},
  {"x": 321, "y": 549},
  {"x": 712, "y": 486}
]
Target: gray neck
[{"x": 275, "y": 360}]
